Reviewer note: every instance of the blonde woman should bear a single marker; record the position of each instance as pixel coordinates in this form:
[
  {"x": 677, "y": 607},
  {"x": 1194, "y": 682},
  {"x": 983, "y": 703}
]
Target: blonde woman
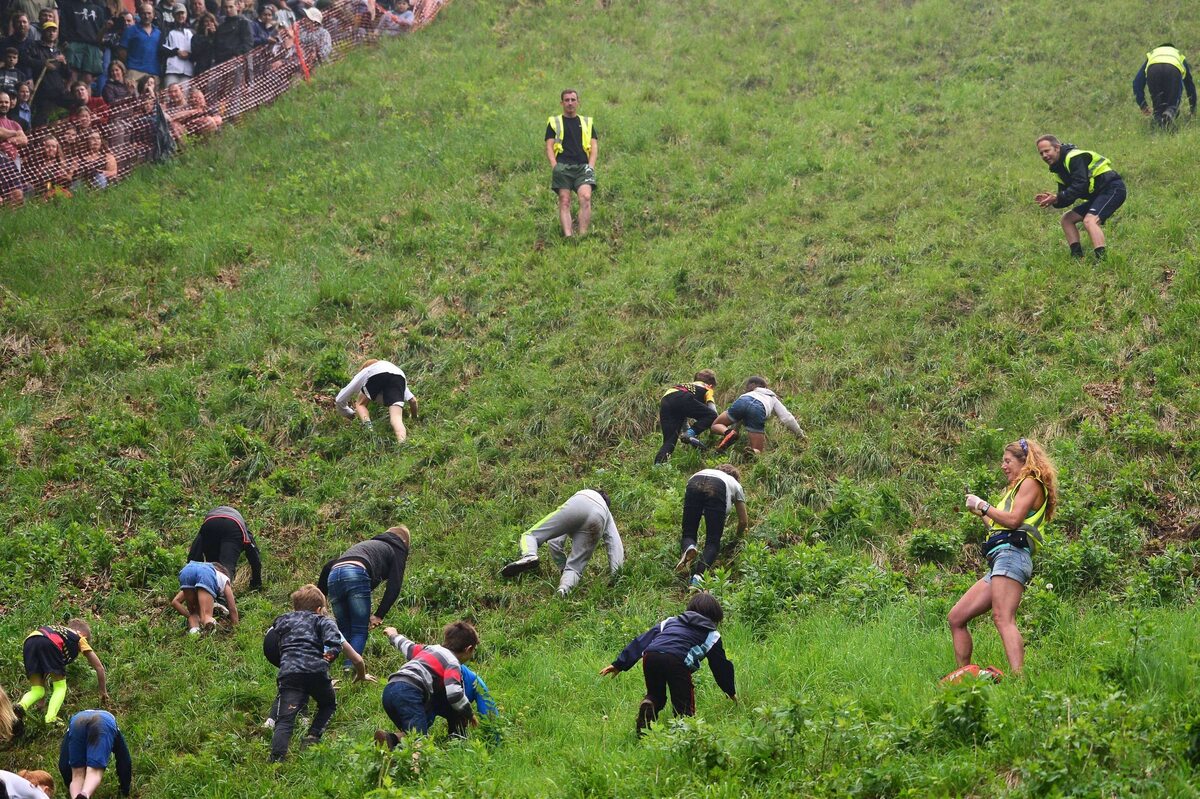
[{"x": 1015, "y": 524}]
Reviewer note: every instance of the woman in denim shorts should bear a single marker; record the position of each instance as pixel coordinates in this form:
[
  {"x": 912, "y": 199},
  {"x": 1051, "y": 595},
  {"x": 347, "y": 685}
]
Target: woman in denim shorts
[{"x": 1015, "y": 523}]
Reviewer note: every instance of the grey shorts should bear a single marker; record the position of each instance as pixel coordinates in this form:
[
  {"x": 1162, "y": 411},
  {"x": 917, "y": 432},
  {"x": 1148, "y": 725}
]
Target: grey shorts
[{"x": 1014, "y": 563}]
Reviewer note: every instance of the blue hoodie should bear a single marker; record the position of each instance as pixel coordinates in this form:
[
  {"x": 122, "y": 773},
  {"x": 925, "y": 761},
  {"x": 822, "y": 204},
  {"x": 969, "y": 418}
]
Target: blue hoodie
[{"x": 691, "y": 637}]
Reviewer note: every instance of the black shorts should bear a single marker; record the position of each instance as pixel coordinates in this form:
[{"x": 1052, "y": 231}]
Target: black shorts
[
  {"x": 1105, "y": 203},
  {"x": 386, "y": 388},
  {"x": 43, "y": 657}
]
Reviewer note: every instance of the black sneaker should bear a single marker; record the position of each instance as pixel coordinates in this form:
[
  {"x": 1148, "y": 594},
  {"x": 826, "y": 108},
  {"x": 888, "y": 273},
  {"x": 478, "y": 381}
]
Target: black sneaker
[
  {"x": 695, "y": 442},
  {"x": 520, "y": 566},
  {"x": 646, "y": 716},
  {"x": 389, "y": 739}
]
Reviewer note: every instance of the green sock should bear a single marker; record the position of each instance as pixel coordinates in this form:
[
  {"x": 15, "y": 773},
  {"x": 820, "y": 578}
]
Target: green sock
[
  {"x": 32, "y": 696},
  {"x": 58, "y": 695}
]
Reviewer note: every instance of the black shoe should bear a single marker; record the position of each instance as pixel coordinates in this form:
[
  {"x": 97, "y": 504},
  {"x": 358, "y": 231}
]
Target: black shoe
[
  {"x": 646, "y": 716},
  {"x": 520, "y": 566},
  {"x": 695, "y": 442}
]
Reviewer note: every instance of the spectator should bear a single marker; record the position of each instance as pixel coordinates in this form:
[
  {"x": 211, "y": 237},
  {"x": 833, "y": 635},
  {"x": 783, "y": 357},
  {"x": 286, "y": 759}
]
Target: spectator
[
  {"x": 53, "y": 170},
  {"x": 284, "y": 16},
  {"x": 84, "y": 23},
  {"x": 50, "y": 67},
  {"x": 83, "y": 93},
  {"x": 11, "y": 137},
  {"x": 178, "y": 46},
  {"x": 141, "y": 43},
  {"x": 208, "y": 121},
  {"x": 364, "y": 17},
  {"x": 233, "y": 37},
  {"x": 203, "y": 44},
  {"x": 97, "y": 164},
  {"x": 115, "y": 88},
  {"x": 121, "y": 20},
  {"x": 193, "y": 118},
  {"x": 21, "y": 112},
  {"x": 83, "y": 121},
  {"x": 12, "y": 75},
  {"x": 397, "y": 21},
  {"x": 21, "y": 34},
  {"x": 315, "y": 40},
  {"x": 196, "y": 11},
  {"x": 263, "y": 28},
  {"x": 164, "y": 13}
]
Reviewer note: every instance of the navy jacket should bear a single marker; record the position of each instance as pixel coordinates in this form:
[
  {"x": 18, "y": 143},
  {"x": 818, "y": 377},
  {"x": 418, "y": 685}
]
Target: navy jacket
[{"x": 691, "y": 637}]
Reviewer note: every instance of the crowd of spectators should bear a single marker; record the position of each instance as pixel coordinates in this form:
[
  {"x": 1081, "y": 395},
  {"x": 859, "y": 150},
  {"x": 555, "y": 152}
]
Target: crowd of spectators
[{"x": 90, "y": 87}]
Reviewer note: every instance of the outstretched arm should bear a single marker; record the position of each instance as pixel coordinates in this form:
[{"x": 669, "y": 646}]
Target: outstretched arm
[
  {"x": 124, "y": 763},
  {"x": 743, "y": 518},
  {"x": 1139, "y": 88},
  {"x": 233, "y": 611},
  {"x": 1190, "y": 85},
  {"x": 101, "y": 678}
]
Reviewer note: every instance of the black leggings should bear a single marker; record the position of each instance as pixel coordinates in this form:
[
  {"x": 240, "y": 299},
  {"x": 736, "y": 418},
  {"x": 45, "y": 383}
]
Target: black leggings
[
  {"x": 220, "y": 540},
  {"x": 704, "y": 497},
  {"x": 673, "y": 412},
  {"x": 664, "y": 671}
]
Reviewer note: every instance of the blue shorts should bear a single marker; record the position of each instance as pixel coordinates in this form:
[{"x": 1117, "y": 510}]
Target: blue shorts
[
  {"x": 1012, "y": 562},
  {"x": 201, "y": 576},
  {"x": 91, "y": 745},
  {"x": 750, "y": 412},
  {"x": 1106, "y": 203}
]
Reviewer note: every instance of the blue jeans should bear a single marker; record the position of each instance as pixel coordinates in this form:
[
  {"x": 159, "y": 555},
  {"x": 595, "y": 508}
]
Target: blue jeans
[
  {"x": 350, "y": 600},
  {"x": 405, "y": 705},
  {"x": 84, "y": 750}
]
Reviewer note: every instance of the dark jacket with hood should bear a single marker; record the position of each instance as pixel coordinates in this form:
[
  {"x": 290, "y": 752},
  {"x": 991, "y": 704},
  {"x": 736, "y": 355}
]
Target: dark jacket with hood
[
  {"x": 384, "y": 556},
  {"x": 691, "y": 637},
  {"x": 1075, "y": 183}
]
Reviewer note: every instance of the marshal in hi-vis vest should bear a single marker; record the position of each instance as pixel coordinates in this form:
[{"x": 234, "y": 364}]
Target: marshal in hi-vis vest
[
  {"x": 1166, "y": 55},
  {"x": 585, "y": 124},
  {"x": 1097, "y": 167}
]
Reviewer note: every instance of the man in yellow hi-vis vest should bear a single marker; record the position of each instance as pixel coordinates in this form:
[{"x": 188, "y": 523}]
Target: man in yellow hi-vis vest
[
  {"x": 571, "y": 147},
  {"x": 1166, "y": 73},
  {"x": 1082, "y": 175}
]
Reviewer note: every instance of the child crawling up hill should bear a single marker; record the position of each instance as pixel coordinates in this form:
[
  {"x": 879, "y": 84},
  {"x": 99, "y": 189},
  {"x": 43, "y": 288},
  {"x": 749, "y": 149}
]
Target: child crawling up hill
[
  {"x": 670, "y": 652},
  {"x": 432, "y": 674}
]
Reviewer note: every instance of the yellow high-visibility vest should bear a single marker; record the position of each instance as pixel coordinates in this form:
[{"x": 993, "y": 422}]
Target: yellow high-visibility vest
[
  {"x": 585, "y": 123},
  {"x": 1166, "y": 55},
  {"x": 1032, "y": 526},
  {"x": 1098, "y": 166}
]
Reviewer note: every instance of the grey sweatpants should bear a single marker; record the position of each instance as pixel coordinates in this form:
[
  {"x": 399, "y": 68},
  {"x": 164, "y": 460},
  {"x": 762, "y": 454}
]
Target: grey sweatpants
[{"x": 585, "y": 519}]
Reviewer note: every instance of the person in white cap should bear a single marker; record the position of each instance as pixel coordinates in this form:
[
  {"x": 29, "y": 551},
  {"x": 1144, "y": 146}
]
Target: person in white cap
[
  {"x": 178, "y": 45},
  {"x": 315, "y": 40}
]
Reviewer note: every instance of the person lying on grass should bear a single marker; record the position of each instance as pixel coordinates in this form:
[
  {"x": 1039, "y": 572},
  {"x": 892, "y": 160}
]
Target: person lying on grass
[
  {"x": 47, "y": 652},
  {"x": 433, "y": 673},
  {"x": 670, "y": 652},
  {"x": 751, "y": 410},
  {"x": 200, "y": 584},
  {"x": 385, "y": 383},
  {"x": 585, "y": 518}
]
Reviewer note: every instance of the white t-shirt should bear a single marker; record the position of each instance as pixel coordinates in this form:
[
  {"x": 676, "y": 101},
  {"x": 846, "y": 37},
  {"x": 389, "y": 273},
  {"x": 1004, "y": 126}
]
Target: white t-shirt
[
  {"x": 19, "y": 787},
  {"x": 359, "y": 382},
  {"x": 222, "y": 581},
  {"x": 180, "y": 38},
  {"x": 733, "y": 489}
]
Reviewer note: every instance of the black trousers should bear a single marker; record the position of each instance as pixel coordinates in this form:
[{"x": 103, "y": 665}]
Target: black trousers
[
  {"x": 664, "y": 671},
  {"x": 673, "y": 413},
  {"x": 294, "y": 692},
  {"x": 220, "y": 541},
  {"x": 704, "y": 498},
  {"x": 1166, "y": 90}
]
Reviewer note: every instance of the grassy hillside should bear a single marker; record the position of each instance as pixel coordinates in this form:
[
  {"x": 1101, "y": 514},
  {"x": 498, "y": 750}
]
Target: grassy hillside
[{"x": 838, "y": 197}]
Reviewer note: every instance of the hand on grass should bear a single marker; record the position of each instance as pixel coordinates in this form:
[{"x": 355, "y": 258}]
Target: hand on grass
[
  {"x": 390, "y": 632},
  {"x": 1146, "y": 111},
  {"x": 375, "y": 622},
  {"x": 1045, "y": 199},
  {"x": 105, "y": 699},
  {"x": 365, "y": 677},
  {"x": 609, "y": 669}
]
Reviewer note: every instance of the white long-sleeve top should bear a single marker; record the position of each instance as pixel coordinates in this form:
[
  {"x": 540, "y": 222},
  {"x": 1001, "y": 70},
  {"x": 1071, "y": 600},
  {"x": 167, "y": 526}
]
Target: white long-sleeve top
[
  {"x": 774, "y": 406},
  {"x": 359, "y": 382}
]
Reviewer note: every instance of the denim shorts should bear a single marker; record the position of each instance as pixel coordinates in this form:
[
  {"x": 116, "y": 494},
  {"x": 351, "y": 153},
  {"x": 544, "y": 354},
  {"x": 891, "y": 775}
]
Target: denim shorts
[
  {"x": 84, "y": 750},
  {"x": 1014, "y": 563},
  {"x": 750, "y": 412},
  {"x": 201, "y": 576}
]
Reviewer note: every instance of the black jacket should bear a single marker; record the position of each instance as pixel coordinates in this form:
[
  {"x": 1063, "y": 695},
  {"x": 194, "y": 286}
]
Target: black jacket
[
  {"x": 691, "y": 637},
  {"x": 1075, "y": 182},
  {"x": 232, "y": 39},
  {"x": 384, "y": 556}
]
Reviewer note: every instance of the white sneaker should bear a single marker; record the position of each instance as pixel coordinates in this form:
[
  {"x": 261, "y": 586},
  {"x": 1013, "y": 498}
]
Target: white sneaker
[
  {"x": 685, "y": 560},
  {"x": 697, "y": 582},
  {"x": 194, "y": 631},
  {"x": 219, "y": 609}
]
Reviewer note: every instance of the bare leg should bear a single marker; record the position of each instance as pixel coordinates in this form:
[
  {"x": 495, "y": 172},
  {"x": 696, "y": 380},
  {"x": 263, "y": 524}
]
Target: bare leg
[
  {"x": 976, "y": 602},
  {"x": 758, "y": 442},
  {"x": 564, "y": 211},
  {"x": 718, "y": 428},
  {"x": 193, "y": 606},
  {"x": 1006, "y": 596},
  {"x": 1091, "y": 223},
  {"x": 361, "y": 410},
  {"x": 396, "y": 415},
  {"x": 723, "y": 421},
  {"x": 77, "y": 775},
  {"x": 91, "y": 780},
  {"x": 585, "y": 209},
  {"x": 1069, "y": 221},
  {"x": 205, "y": 602}
]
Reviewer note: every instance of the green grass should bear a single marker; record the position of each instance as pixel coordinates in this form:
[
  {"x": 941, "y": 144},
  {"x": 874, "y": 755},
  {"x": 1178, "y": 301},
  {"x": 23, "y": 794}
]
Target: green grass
[{"x": 838, "y": 197}]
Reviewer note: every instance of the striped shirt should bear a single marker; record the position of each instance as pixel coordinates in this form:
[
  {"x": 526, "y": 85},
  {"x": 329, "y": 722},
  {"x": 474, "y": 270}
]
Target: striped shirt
[{"x": 434, "y": 669}]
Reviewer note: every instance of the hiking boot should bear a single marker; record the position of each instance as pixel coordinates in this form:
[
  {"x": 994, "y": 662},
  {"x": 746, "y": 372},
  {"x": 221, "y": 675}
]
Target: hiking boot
[
  {"x": 727, "y": 439},
  {"x": 695, "y": 442},
  {"x": 520, "y": 566},
  {"x": 685, "y": 560},
  {"x": 646, "y": 716}
]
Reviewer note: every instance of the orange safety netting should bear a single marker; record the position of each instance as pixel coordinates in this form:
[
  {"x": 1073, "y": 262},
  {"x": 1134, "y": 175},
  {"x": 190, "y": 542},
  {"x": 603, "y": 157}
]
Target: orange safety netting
[{"x": 94, "y": 148}]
